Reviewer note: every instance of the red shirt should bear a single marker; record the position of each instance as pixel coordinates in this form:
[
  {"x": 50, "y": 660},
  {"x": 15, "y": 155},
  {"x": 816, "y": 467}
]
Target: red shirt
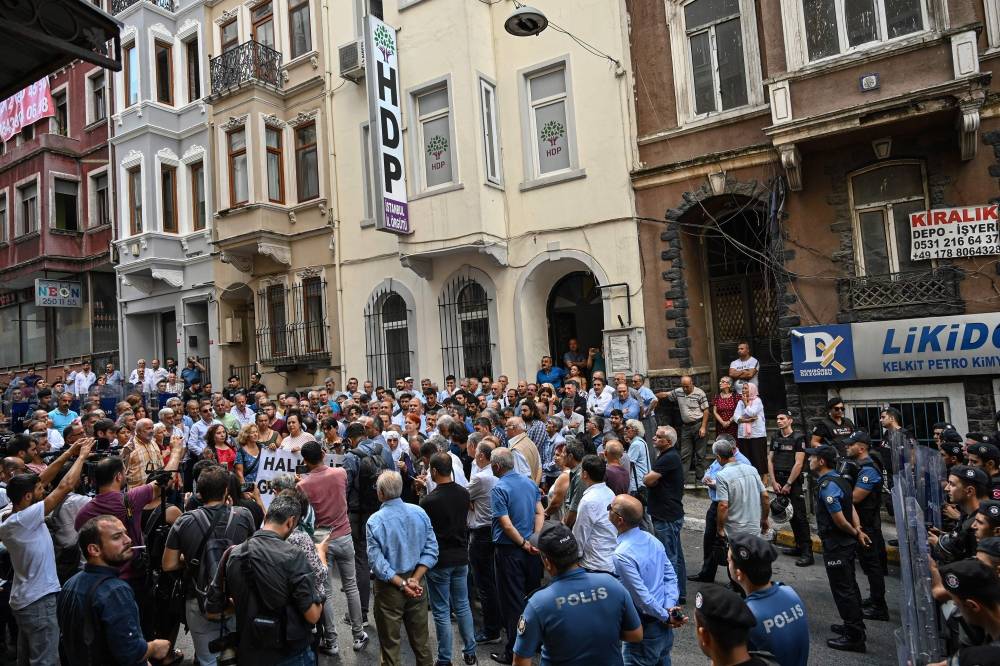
[
  {"x": 226, "y": 457},
  {"x": 326, "y": 488}
]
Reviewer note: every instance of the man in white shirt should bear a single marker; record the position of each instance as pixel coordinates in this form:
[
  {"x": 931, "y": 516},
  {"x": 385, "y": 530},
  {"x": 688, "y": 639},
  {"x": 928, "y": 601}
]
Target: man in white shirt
[
  {"x": 54, "y": 437},
  {"x": 572, "y": 421},
  {"x": 599, "y": 396},
  {"x": 744, "y": 368},
  {"x": 196, "y": 435},
  {"x": 438, "y": 444},
  {"x": 79, "y": 381},
  {"x": 593, "y": 530},
  {"x": 156, "y": 373},
  {"x": 140, "y": 375},
  {"x": 243, "y": 414},
  {"x": 480, "y": 523}
]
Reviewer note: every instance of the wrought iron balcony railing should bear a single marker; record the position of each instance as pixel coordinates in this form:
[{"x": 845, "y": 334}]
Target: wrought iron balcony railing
[
  {"x": 937, "y": 286},
  {"x": 118, "y": 6},
  {"x": 250, "y": 61}
]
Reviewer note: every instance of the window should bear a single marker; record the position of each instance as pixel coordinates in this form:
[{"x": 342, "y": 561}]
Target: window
[
  {"x": 364, "y": 7},
  {"x": 193, "y": 70},
  {"x": 262, "y": 18},
  {"x": 277, "y": 321},
  {"x": 306, "y": 163},
  {"x": 134, "y": 179},
  {"x": 164, "y": 63},
  {"x": 61, "y": 119},
  {"x": 466, "y": 347},
  {"x": 3, "y": 217},
  {"x": 98, "y": 99},
  {"x": 366, "y": 172},
  {"x": 491, "y": 137},
  {"x": 299, "y": 26},
  {"x": 238, "y": 177},
  {"x": 883, "y": 198},
  {"x": 312, "y": 309},
  {"x": 275, "y": 166},
  {"x": 102, "y": 200},
  {"x": 27, "y": 133},
  {"x": 230, "y": 36},
  {"x": 131, "y": 59},
  {"x": 168, "y": 197},
  {"x": 27, "y": 196},
  {"x": 198, "y": 213},
  {"x": 838, "y": 26},
  {"x": 10, "y": 340},
  {"x": 549, "y": 120},
  {"x": 434, "y": 138},
  {"x": 387, "y": 338},
  {"x": 715, "y": 42},
  {"x": 33, "y": 336},
  {"x": 65, "y": 198}
]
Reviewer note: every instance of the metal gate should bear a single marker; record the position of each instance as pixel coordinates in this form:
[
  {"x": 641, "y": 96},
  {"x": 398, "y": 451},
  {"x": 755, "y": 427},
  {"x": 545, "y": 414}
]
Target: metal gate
[
  {"x": 387, "y": 337},
  {"x": 466, "y": 348}
]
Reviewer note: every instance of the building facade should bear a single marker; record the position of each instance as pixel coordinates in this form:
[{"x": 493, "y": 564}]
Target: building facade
[
  {"x": 271, "y": 230},
  {"x": 56, "y": 222},
  {"x": 784, "y": 145},
  {"x": 162, "y": 170},
  {"x": 516, "y": 160}
]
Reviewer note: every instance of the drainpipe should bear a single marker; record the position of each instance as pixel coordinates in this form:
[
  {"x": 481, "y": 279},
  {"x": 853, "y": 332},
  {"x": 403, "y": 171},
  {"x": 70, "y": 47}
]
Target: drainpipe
[{"x": 328, "y": 51}]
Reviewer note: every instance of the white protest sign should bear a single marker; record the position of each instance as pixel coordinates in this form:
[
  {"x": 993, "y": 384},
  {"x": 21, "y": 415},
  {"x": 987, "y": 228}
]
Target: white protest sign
[{"x": 273, "y": 463}]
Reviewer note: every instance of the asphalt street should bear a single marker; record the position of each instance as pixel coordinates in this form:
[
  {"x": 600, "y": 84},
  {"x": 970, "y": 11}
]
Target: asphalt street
[{"x": 809, "y": 582}]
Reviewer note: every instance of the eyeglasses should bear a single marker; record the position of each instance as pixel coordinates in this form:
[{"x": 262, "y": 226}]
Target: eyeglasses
[
  {"x": 838, "y": 409},
  {"x": 611, "y": 509}
]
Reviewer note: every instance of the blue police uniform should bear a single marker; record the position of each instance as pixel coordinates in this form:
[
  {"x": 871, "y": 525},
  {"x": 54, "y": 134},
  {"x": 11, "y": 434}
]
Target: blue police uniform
[
  {"x": 874, "y": 560},
  {"x": 781, "y": 628},
  {"x": 840, "y": 551},
  {"x": 577, "y": 619}
]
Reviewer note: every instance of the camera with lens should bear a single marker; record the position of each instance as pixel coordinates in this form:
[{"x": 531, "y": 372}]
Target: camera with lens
[{"x": 301, "y": 469}]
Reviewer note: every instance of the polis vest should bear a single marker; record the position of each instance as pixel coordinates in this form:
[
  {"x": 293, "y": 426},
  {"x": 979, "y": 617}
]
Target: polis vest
[
  {"x": 825, "y": 527},
  {"x": 868, "y": 508}
]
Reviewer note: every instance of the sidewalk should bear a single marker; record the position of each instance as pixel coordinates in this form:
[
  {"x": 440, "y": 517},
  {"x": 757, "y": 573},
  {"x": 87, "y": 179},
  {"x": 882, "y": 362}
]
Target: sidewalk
[{"x": 696, "y": 503}]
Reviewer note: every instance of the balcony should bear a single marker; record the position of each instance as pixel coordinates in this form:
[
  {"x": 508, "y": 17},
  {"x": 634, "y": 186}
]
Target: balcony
[
  {"x": 300, "y": 341},
  {"x": 118, "y": 6},
  {"x": 932, "y": 292},
  {"x": 247, "y": 63}
]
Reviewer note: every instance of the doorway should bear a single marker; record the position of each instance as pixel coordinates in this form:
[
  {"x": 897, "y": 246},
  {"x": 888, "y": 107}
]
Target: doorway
[
  {"x": 575, "y": 309},
  {"x": 743, "y": 297},
  {"x": 168, "y": 333}
]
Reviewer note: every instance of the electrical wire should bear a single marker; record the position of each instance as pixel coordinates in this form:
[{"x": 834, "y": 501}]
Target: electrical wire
[{"x": 585, "y": 45}]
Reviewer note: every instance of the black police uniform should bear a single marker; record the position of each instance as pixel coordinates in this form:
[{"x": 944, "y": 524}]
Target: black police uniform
[
  {"x": 833, "y": 434},
  {"x": 783, "y": 451},
  {"x": 839, "y": 552},
  {"x": 873, "y": 559}
]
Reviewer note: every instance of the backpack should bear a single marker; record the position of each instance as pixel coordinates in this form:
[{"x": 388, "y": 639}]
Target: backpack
[
  {"x": 202, "y": 567},
  {"x": 370, "y": 465}
]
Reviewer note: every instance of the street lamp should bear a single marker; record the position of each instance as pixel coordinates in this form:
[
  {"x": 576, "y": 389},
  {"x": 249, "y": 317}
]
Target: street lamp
[{"x": 525, "y": 22}]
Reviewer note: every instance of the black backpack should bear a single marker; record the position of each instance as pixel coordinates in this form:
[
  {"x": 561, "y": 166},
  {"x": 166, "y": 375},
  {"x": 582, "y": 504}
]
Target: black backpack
[
  {"x": 370, "y": 465},
  {"x": 214, "y": 544}
]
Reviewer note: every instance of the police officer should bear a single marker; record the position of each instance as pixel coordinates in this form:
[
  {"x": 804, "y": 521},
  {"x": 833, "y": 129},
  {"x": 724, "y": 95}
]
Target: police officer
[
  {"x": 782, "y": 629},
  {"x": 840, "y": 531},
  {"x": 787, "y": 468},
  {"x": 986, "y": 522},
  {"x": 966, "y": 488},
  {"x": 867, "y": 498},
  {"x": 952, "y": 449},
  {"x": 975, "y": 589},
  {"x": 723, "y": 626},
  {"x": 580, "y": 617},
  {"x": 986, "y": 456},
  {"x": 834, "y": 428}
]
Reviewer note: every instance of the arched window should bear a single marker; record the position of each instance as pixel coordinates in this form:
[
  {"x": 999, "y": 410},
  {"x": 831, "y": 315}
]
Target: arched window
[
  {"x": 466, "y": 345},
  {"x": 387, "y": 336}
]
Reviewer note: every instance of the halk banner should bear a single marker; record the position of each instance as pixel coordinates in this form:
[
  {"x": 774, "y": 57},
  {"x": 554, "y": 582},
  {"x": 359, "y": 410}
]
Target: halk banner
[
  {"x": 25, "y": 108},
  {"x": 931, "y": 347},
  {"x": 386, "y": 123}
]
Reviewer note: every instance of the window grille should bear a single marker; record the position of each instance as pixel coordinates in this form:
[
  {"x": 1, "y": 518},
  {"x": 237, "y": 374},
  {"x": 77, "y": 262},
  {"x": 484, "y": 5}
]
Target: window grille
[
  {"x": 466, "y": 348},
  {"x": 387, "y": 337}
]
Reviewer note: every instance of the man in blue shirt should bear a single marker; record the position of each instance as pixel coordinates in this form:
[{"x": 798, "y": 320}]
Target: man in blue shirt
[
  {"x": 623, "y": 400},
  {"x": 580, "y": 617},
  {"x": 517, "y": 514},
  {"x": 62, "y": 415},
  {"x": 645, "y": 570},
  {"x": 401, "y": 548},
  {"x": 781, "y": 628},
  {"x": 710, "y": 563},
  {"x": 867, "y": 498},
  {"x": 549, "y": 374},
  {"x": 97, "y": 599}
]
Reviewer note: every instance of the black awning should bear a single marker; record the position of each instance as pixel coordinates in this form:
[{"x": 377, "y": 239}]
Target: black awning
[{"x": 38, "y": 37}]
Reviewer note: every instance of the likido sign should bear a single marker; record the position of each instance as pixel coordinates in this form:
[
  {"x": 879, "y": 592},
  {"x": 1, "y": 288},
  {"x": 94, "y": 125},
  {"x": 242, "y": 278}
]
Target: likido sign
[{"x": 386, "y": 123}]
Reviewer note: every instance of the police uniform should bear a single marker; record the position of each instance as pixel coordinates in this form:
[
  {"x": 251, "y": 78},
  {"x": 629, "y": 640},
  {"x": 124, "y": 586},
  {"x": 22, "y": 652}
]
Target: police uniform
[
  {"x": 873, "y": 559},
  {"x": 783, "y": 451},
  {"x": 986, "y": 452},
  {"x": 782, "y": 628},
  {"x": 834, "y": 434},
  {"x": 839, "y": 552},
  {"x": 960, "y": 542},
  {"x": 724, "y": 610},
  {"x": 579, "y": 617},
  {"x": 972, "y": 579}
]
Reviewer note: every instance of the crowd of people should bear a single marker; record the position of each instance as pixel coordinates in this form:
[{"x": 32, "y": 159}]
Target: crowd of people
[{"x": 539, "y": 517}]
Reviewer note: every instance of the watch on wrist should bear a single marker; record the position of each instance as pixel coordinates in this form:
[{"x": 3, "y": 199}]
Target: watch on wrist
[{"x": 402, "y": 585}]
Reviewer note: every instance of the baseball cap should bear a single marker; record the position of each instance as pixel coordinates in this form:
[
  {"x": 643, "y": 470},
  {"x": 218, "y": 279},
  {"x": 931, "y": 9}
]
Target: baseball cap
[
  {"x": 953, "y": 448},
  {"x": 951, "y": 436},
  {"x": 824, "y": 451},
  {"x": 979, "y": 655},
  {"x": 859, "y": 436},
  {"x": 977, "y": 437},
  {"x": 991, "y": 511},
  {"x": 555, "y": 541},
  {"x": 942, "y": 425},
  {"x": 784, "y": 412},
  {"x": 750, "y": 549},
  {"x": 971, "y": 475},
  {"x": 724, "y": 606},
  {"x": 985, "y": 452},
  {"x": 990, "y": 546},
  {"x": 971, "y": 579}
]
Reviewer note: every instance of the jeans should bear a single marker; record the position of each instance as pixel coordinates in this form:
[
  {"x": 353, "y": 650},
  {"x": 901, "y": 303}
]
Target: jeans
[
  {"x": 38, "y": 633},
  {"x": 340, "y": 554},
  {"x": 304, "y": 658},
  {"x": 669, "y": 534},
  {"x": 653, "y": 649},
  {"x": 361, "y": 566},
  {"x": 448, "y": 589},
  {"x": 481, "y": 558},
  {"x": 204, "y": 631}
]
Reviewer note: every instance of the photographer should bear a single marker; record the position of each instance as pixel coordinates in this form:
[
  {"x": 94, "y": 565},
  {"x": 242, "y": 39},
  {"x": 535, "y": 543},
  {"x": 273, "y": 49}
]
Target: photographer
[{"x": 274, "y": 591}]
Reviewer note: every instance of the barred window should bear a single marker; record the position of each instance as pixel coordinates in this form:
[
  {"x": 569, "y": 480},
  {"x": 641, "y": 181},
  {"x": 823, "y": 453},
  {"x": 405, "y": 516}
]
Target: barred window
[
  {"x": 466, "y": 347},
  {"x": 387, "y": 333}
]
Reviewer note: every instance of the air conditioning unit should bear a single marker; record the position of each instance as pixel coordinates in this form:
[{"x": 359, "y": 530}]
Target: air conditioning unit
[
  {"x": 352, "y": 60},
  {"x": 232, "y": 331}
]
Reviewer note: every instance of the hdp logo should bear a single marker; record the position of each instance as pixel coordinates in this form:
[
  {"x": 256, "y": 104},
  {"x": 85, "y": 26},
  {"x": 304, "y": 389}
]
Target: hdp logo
[
  {"x": 384, "y": 42},
  {"x": 552, "y": 131},
  {"x": 437, "y": 145}
]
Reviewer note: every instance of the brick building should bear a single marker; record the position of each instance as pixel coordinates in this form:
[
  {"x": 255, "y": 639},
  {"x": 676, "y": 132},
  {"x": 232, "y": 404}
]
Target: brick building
[{"x": 781, "y": 158}]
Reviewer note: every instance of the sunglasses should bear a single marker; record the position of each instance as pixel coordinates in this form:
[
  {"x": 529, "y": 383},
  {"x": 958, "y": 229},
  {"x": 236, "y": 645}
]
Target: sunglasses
[{"x": 838, "y": 409}]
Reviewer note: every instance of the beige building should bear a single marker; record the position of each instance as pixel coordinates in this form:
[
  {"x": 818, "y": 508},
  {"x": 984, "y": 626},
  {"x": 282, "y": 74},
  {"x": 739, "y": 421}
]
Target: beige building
[
  {"x": 518, "y": 153},
  {"x": 271, "y": 234}
]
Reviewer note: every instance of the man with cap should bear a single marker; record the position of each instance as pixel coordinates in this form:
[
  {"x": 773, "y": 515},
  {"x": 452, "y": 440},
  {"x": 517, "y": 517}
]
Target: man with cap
[
  {"x": 952, "y": 448},
  {"x": 840, "y": 531},
  {"x": 580, "y": 617},
  {"x": 786, "y": 464},
  {"x": 643, "y": 567},
  {"x": 723, "y": 624},
  {"x": 781, "y": 628},
  {"x": 937, "y": 429},
  {"x": 986, "y": 456},
  {"x": 988, "y": 552},
  {"x": 966, "y": 487},
  {"x": 975, "y": 589},
  {"x": 834, "y": 428},
  {"x": 867, "y": 498},
  {"x": 986, "y": 523}
]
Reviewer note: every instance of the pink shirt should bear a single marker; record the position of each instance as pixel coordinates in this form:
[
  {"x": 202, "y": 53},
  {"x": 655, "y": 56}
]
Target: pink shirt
[{"x": 326, "y": 488}]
